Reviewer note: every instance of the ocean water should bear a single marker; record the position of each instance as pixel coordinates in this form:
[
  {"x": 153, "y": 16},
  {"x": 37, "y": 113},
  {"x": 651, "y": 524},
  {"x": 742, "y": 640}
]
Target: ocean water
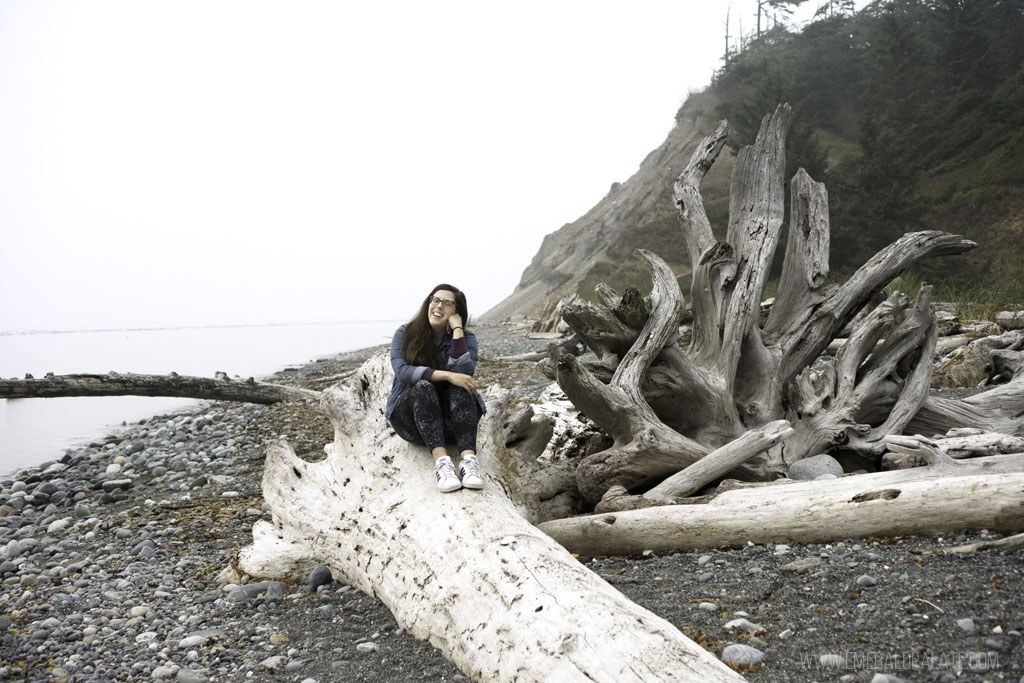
[{"x": 35, "y": 430}]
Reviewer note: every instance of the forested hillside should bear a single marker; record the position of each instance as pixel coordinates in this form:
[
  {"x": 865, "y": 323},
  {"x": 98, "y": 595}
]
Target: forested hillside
[{"x": 911, "y": 111}]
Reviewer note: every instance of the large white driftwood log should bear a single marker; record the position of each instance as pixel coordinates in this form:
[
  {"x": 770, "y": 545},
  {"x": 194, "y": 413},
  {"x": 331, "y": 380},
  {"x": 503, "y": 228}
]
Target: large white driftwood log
[
  {"x": 466, "y": 570},
  {"x": 946, "y": 496}
]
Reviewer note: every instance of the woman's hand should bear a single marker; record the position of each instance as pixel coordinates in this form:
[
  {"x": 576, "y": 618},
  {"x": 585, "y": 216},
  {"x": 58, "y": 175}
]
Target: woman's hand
[
  {"x": 467, "y": 382},
  {"x": 454, "y": 320}
]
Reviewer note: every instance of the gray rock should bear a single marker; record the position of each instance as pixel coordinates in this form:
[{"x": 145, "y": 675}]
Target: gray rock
[
  {"x": 707, "y": 607},
  {"x": 13, "y": 549},
  {"x": 865, "y": 581},
  {"x": 275, "y": 592},
  {"x": 803, "y": 565},
  {"x": 48, "y": 487},
  {"x": 367, "y": 648},
  {"x": 738, "y": 654},
  {"x": 273, "y": 663},
  {"x": 112, "y": 485},
  {"x": 148, "y": 543},
  {"x": 191, "y": 641},
  {"x": 814, "y": 466},
  {"x": 321, "y": 576},
  {"x": 249, "y": 591},
  {"x": 966, "y": 625},
  {"x": 705, "y": 577}
]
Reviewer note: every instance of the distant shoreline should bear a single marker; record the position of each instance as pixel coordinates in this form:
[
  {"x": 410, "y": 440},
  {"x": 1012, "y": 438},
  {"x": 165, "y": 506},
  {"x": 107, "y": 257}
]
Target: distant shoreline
[{"x": 190, "y": 327}]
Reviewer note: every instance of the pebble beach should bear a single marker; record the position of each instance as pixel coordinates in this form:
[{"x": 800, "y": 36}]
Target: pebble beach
[{"x": 110, "y": 556}]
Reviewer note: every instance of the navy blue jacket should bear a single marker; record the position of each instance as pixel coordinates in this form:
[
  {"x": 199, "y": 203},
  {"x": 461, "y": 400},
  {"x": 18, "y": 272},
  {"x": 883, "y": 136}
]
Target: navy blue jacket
[{"x": 464, "y": 361}]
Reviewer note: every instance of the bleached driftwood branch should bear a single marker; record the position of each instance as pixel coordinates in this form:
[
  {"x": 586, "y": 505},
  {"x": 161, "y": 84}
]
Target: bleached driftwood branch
[{"x": 220, "y": 388}]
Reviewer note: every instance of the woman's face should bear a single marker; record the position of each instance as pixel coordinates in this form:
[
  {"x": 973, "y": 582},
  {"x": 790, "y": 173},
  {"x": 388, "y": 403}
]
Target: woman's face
[{"x": 440, "y": 308}]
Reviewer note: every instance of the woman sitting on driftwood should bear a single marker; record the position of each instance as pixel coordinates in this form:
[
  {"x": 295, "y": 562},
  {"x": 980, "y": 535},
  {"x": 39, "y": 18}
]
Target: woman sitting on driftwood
[{"x": 433, "y": 398}]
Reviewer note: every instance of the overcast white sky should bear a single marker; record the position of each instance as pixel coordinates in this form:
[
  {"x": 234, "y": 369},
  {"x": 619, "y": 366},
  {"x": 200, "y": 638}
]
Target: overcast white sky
[{"x": 217, "y": 162}]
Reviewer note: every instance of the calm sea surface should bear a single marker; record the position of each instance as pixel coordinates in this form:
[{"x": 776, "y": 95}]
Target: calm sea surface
[{"x": 36, "y": 430}]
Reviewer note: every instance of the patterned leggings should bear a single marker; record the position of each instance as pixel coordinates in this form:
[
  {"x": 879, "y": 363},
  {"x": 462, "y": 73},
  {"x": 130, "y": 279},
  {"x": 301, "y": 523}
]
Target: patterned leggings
[{"x": 434, "y": 414}]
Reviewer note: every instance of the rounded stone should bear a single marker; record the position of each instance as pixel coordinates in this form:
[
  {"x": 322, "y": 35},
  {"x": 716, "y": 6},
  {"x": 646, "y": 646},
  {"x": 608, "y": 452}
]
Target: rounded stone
[
  {"x": 742, "y": 655},
  {"x": 274, "y": 592},
  {"x": 815, "y": 466},
  {"x": 321, "y": 576},
  {"x": 272, "y": 662},
  {"x": 966, "y": 625}
]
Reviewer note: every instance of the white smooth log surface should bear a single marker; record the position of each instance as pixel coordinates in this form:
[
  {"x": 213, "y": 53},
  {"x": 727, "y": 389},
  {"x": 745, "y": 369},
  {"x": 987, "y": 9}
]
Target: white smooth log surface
[
  {"x": 809, "y": 512},
  {"x": 463, "y": 570}
]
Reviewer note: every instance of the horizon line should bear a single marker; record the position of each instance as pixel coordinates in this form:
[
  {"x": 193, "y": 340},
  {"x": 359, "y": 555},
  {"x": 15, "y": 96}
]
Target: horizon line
[{"x": 190, "y": 327}]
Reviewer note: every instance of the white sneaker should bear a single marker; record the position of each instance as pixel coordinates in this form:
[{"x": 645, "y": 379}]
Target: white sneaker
[
  {"x": 444, "y": 470},
  {"x": 469, "y": 470}
]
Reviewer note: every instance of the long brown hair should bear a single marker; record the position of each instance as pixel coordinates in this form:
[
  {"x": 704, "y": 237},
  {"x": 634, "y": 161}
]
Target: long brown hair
[{"x": 418, "y": 345}]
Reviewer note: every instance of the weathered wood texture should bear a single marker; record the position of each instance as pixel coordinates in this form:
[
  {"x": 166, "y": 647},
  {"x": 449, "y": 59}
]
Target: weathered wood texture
[
  {"x": 879, "y": 504},
  {"x": 711, "y": 467},
  {"x": 220, "y": 388},
  {"x": 465, "y": 571},
  {"x": 743, "y": 370}
]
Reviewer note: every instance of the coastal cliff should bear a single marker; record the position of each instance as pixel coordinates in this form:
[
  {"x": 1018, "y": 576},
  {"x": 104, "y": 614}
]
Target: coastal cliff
[{"x": 636, "y": 213}]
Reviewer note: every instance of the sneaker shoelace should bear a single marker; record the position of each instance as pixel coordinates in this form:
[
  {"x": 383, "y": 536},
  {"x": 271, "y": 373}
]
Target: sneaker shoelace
[
  {"x": 471, "y": 467},
  {"x": 445, "y": 468}
]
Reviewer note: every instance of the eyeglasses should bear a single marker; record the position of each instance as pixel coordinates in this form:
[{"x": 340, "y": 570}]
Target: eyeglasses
[{"x": 444, "y": 302}]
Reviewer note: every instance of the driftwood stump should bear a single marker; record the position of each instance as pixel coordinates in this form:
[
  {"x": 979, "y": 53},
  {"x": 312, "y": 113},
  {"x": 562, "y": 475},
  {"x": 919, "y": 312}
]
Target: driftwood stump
[{"x": 667, "y": 406}]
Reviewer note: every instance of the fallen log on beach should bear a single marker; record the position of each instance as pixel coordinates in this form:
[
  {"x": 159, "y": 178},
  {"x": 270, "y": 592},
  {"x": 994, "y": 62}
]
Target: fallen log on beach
[
  {"x": 866, "y": 505},
  {"x": 466, "y": 571},
  {"x": 219, "y": 388}
]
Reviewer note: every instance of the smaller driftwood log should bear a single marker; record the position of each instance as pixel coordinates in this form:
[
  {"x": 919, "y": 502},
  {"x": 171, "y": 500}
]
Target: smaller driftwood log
[
  {"x": 946, "y": 496},
  {"x": 219, "y": 388}
]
